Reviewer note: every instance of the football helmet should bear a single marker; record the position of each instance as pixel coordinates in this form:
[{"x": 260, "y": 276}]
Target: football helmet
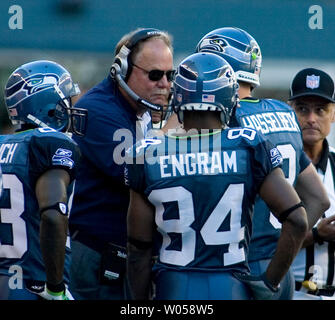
[
  {"x": 240, "y": 50},
  {"x": 205, "y": 82},
  {"x": 39, "y": 93}
]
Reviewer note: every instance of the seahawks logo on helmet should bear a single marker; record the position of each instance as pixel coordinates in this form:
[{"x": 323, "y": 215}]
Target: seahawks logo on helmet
[
  {"x": 39, "y": 82},
  {"x": 29, "y": 86},
  {"x": 215, "y": 43}
]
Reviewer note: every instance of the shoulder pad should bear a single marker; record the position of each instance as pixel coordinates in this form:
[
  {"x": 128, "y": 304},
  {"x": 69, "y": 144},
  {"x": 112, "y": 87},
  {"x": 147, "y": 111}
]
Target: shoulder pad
[
  {"x": 278, "y": 102},
  {"x": 50, "y": 132}
]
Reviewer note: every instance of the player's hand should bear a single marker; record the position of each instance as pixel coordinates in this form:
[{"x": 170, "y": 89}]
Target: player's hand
[
  {"x": 326, "y": 228},
  {"x": 259, "y": 285}
]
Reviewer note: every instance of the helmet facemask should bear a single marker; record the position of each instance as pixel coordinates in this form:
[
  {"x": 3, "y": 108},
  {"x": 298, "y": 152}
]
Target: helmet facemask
[{"x": 75, "y": 119}]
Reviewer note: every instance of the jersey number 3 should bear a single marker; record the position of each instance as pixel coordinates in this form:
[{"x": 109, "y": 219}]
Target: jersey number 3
[{"x": 12, "y": 216}]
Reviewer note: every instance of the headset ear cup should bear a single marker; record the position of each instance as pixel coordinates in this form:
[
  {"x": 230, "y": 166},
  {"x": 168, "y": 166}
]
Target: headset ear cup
[
  {"x": 115, "y": 70},
  {"x": 124, "y": 55},
  {"x": 123, "y": 63},
  {"x": 121, "y": 59}
]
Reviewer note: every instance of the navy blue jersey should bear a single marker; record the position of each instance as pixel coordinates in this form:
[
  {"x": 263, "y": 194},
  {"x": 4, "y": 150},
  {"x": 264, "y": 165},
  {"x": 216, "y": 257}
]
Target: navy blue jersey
[
  {"x": 278, "y": 122},
  {"x": 203, "y": 188},
  {"x": 24, "y": 158}
]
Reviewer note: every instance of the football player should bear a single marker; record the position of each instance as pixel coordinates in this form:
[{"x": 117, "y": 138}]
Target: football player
[
  {"x": 39, "y": 165},
  {"x": 277, "y": 121},
  {"x": 197, "y": 188}
]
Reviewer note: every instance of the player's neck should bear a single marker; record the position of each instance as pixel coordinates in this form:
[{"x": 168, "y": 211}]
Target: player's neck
[
  {"x": 244, "y": 90},
  {"x": 25, "y": 127},
  {"x": 208, "y": 120}
]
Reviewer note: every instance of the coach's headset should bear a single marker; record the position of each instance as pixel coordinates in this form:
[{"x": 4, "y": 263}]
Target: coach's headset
[{"x": 122, "y": 66}]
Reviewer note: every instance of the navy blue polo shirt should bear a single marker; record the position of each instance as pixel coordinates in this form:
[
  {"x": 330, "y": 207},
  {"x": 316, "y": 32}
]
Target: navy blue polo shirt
[{"x": 101, "y": 198}]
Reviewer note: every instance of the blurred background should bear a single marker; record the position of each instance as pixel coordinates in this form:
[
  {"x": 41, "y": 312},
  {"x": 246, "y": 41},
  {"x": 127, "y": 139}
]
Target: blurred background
[{"x": 81, "y": 35}]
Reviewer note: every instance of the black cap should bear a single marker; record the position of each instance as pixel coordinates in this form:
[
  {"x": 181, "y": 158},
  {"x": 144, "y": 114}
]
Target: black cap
[{"x": 312, "y": 82}]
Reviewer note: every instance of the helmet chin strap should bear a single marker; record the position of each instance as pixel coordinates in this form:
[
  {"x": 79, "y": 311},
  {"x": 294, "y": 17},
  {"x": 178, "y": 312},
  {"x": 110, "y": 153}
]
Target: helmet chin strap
[{"x": 38, "y": 122}]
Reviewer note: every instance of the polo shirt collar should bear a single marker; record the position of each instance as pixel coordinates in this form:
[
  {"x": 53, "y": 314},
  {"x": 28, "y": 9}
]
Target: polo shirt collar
[{"x": 322, "y": 164}]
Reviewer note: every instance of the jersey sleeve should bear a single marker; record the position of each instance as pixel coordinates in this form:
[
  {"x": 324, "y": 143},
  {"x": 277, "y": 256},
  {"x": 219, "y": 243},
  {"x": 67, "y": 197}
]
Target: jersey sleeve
[
  {"x": 52, "y": 151},
  {"x": 266, "y": 158},
  {"x": 304, "y": 161}
]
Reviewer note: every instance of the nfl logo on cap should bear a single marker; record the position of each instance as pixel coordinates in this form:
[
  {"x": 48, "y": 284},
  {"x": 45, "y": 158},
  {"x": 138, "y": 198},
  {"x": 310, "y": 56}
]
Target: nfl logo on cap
[{"x": 312, "y": 81}]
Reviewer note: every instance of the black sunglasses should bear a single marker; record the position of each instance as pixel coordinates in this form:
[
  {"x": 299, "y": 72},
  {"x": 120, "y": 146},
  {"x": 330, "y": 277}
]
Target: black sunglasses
[{"x": 156, "y": 75}]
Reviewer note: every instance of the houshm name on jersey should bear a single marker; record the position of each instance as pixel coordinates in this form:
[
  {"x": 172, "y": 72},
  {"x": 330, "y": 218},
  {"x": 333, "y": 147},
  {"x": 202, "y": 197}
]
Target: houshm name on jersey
[
  {"x": 7, "y": 151},
  {"x": 198, "y": 163},
  {"x": 271, "y": 122}
]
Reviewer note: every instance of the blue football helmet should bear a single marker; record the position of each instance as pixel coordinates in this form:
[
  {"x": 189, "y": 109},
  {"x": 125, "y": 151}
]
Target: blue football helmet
[
  {"x": 39, "y": 93},
  {"x": 205, "y": 82},
  {"x": 239, "y": 48}
]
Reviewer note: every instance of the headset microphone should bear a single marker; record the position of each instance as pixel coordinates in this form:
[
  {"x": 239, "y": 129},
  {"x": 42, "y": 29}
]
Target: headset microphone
[{"x": 115, "y": 74}]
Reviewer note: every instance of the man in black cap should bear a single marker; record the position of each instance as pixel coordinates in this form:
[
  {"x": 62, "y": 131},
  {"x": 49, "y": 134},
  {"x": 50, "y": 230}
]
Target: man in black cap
[{"x": 312, "y": 97}]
